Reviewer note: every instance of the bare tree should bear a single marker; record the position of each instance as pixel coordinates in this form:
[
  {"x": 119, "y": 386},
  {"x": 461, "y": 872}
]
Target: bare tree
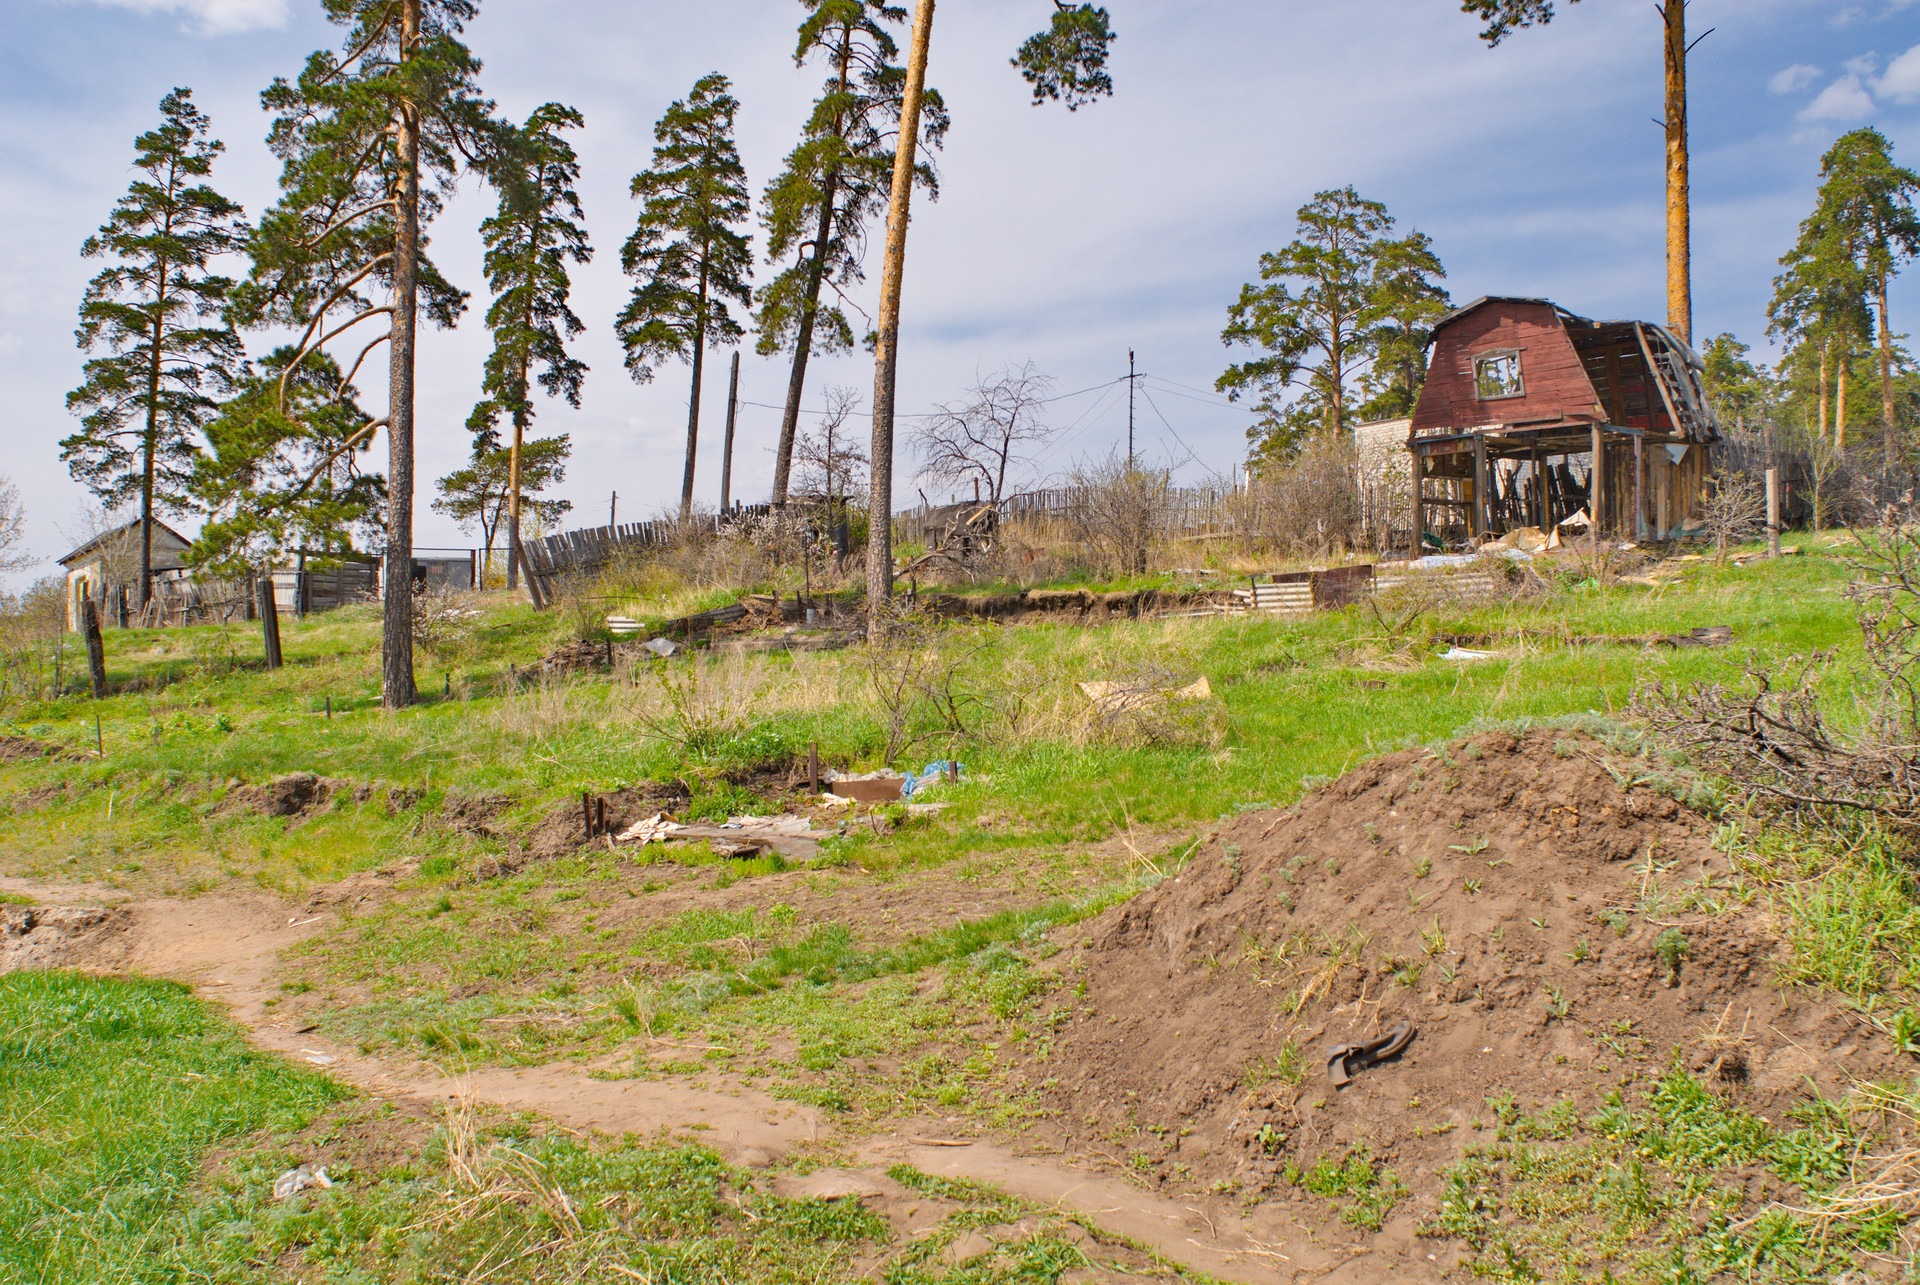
[
  {"x": 1736, "y": 510},
  {"x": 981, "y": 437},
  {"x": 1120, "y": 512},
  {"x": 13, "y": 528},
  {"x": 830, "y": 459}
]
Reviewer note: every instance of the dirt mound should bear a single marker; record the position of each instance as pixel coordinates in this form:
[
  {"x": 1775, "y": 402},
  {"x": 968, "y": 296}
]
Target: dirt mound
[
  {"x": 564, "y": 829},
  {"x": 302, "y": 794},
  {"x": 33, "y": 937},
  {"x": 1549, "y": 926},
  {"x": 20, "y": 749}
]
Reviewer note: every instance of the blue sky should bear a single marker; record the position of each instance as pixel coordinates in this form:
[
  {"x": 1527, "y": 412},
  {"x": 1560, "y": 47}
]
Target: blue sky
[{"x": 1061, "y": 239}]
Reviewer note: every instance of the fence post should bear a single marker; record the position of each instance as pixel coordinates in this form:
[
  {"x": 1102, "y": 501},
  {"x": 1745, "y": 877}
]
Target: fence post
[
  {"x": 270, "y": 621},
  {"x": 1773, "y": 513},
  {"x": 96, "y": 647}
]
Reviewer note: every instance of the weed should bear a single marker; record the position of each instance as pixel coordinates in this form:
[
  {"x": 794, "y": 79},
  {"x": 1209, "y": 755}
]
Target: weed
[
  {"x": 1672, "y": 947},
  {"x": 1580, "y": 952},
  {"x": 1422, "y": 867}
]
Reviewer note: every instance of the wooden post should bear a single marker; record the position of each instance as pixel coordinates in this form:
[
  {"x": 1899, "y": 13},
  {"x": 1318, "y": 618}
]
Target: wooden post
[
  {"x": 813, "y": 767},
  {"x": 96, "y": 647},
  {"x": 1773, "y": 513},
  {"x": 1482, "y": 510},
  {"x": 726, "y": 451},
  {"x": 1639, "y": 499},
  {"x": 1596, "y": 492},
  {"x": 270, "y": 621},
  {"x": 534, "y": 591},
  {"x": 586, "y": 812}
]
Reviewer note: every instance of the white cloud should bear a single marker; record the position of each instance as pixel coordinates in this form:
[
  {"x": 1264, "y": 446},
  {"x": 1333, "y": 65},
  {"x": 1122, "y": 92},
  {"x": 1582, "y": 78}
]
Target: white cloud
[
  {"x": 1791, "y": 80},
  {"x": 1902, "y": 80},
  {"x": 1845, "y": 99},
  {"x": 214, "y": 17}
]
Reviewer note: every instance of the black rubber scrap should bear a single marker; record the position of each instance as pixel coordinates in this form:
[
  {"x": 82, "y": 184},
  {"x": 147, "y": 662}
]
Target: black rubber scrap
[{"x": 1345, "y": 1059}]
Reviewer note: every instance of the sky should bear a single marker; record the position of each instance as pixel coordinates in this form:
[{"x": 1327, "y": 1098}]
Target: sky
[{"x": 1060, "y": 238}]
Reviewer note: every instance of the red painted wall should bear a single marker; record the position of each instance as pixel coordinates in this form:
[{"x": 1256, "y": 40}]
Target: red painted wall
[{"x": 1550, "y": 370}]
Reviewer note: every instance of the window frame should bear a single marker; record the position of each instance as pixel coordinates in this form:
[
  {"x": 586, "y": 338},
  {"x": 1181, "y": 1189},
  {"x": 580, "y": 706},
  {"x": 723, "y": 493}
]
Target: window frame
[{"x": 1519, "y": 375}]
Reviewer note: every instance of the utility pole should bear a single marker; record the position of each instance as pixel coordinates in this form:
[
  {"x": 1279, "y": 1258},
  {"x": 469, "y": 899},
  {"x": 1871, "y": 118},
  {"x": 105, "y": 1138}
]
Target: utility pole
[
  {"x": 1129, "y": 409},
  {"x": 726, "y": 452},
  {"x": 1673, "y": 17},
  {"x": 613, "y": 507}
]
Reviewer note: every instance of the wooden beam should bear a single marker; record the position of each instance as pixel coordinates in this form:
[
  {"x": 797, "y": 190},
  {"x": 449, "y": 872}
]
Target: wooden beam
[
  {"x": 1596, "y": 483},
  {"x": 1482, "y": 510}
]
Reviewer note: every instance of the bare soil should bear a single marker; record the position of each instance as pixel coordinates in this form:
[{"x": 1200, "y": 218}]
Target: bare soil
[{"x": 1499, "y": 898}]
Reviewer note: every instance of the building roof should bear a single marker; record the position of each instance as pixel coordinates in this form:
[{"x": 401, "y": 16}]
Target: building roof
[
  {"x": 1486, "y": 299},
  {"x": 161, "y": 533}
]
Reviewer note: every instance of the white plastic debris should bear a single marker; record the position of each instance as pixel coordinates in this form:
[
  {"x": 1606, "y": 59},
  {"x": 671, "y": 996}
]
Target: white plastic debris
[
  {"x": 651, "y": 830},
  {"x": 294, "y": 1181},
  {"x": 661, "y": 647},
  {"x": 1462, "y": 653}
]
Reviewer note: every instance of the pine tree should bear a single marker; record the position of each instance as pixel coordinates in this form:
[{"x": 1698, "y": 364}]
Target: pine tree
[
  {"x": 156, "y": 314},
  {"x": 1819, "y": 308},
  {"x": 371, "y": 139},
  {"x": 685, "y": 249},
  {"x": 1341, "y": 300},
  {"x": 818, "y": 207},
  {"x": 1065, "y": 63},
  {"x": 481, "y": 493},
  {"x": 1865, "y": 211},
  {"x": 283, "y": 469},
  {"x": 530, "y": 241}
]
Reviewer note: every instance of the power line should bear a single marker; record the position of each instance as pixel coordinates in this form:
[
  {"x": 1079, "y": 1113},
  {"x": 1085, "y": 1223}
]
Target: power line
[
  {"x": 867, "y": 414},
  {"x": 1191, "y": 453}
]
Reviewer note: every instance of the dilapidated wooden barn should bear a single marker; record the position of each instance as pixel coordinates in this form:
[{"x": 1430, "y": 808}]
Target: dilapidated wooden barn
[{"x": 1523, "y": 396}]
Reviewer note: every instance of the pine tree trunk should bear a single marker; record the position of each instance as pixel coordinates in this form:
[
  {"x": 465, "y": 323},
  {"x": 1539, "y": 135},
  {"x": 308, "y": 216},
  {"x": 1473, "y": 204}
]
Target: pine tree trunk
[
  {"x": 396, "y": 634},
  {"x": 1823, "y": 390},
  {"x": 693, "y": 399},
  {"x": 513, "y": 492},
  {"x": 1679, "y": 222},
  {"x": 1886, "y": 375},
  {"x": 149, "y": 445},
  {"x": 810, "y": 311},
  {"x": 886, "y": 353},
  {"x": 1840, "y": 406}
]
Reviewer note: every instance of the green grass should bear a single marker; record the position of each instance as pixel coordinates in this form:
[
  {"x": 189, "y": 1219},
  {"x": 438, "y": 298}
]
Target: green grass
[
  {"x": 111, "y": 1093},
  {"x": 140, "y": 1138},
  {"x": 1661, "y": 1193}
]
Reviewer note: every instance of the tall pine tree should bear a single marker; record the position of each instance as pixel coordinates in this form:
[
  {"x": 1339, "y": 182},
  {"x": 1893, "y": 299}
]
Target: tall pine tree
[
  {"x": 1865, "y": 209},
  {"x": 283, "y": 470},
  {"x": 1065, "y": 63},
  {"x": 371, "y": 138},
  {"x": 686, "y": 249},
  {"x": 817, "y": 209},
  {"x": 535, "y": 234},
  {"x": 154, "y": 316},
  {"x": 1343, "y": 300}
]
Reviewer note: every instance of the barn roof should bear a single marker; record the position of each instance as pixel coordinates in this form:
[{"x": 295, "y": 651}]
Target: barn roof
[{"x": 161, "y": 532}]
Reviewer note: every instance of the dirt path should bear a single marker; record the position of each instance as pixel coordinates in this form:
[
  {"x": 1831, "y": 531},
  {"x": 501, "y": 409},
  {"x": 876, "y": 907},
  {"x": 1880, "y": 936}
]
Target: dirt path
[{"x": 226, "y": 946}]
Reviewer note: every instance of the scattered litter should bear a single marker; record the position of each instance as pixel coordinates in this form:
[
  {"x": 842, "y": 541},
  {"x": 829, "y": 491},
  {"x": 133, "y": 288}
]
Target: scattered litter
[
  {"x": 318, "y": 1058},
  {"x": 1525, "y": 538},
  {"x": 1463, "y": 653},
  {"x": 870, "y": 789},
  {"x": 1119, "y": 698},
  {"x": 651, "y": 830},
  {"x": 1345, "y": 1059},
  {"x": 932, "y": 774},
  {"x": 1577, "y": 521},
  {"x": 785, "y": 823},
  {"x": 661, "y": 647},
  {"x": 294, "y": 1181},
  {"x": 1435, "y": 561},
  {"x": 622, "y": 625}
]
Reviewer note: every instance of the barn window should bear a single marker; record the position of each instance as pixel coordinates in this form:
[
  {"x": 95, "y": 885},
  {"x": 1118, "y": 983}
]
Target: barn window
[{"x": 1497, "y": 374}]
